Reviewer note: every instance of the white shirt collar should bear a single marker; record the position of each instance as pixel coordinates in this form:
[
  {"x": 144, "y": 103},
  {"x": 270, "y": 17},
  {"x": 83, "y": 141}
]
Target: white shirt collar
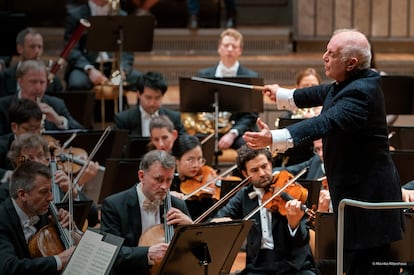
[
  {"x": 98, "y": 10},
  {"x": 223, "y": 71}
]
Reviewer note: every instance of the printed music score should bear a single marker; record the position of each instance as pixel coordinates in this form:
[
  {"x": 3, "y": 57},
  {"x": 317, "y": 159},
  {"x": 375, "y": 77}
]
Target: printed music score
[{"x": 94, "y": 254}]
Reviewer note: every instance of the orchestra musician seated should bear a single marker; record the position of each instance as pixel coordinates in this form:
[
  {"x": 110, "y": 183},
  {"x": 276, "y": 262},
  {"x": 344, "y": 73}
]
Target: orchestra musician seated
[
  {"x": 25, "y": 116},
  {"x": 277, "y": 243},
  {"x": 162, "y": 133},
  {"x": 32, "y": 79},
  {"x": 29, "y": 46},
  {"x": 193, "y": 173},
  {"x": 85, "y": 69},
  {"x": 34, "y": 147},
  {"x": 135, "y": 215},
  {"x": 151, "y": 86},
  {"x": 23, "y": 214}
]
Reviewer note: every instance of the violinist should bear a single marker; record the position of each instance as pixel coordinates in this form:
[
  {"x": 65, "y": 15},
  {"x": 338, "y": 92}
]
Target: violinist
[
  {"x": 276, "y": 244},
  {"x": 192, "y": 173},
  {"x": 132, "y": 212},
  {"x": 23, "y": 214},
  {"x": 35, "y": 147}
]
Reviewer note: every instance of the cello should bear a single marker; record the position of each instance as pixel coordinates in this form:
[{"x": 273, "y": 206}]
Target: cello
[{"x": 158, "y": 233}]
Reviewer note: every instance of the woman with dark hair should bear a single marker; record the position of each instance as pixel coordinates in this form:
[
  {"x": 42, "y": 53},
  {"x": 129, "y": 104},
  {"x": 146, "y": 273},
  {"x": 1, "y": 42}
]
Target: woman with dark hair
[{"x": 192, "y": 173}]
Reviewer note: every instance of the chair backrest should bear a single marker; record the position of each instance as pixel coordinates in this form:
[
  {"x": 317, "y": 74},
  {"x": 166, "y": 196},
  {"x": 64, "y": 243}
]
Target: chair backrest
[
  {"x": 80, "y": 105},
  {"x": 120, "y": 174},
  {"x": 402, "y": 137},
  {"x": 398, "y": 93},
  {"x": 403, "y": 160}
]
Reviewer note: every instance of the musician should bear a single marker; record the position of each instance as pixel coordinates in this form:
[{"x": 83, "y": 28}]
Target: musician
[
  {"x": 138, "y": 7},
  {"x": 32, "y": 78},
  {"x": 230, "y": 48},
  {"x": 131, "y": 212},
  {"x": 25, "y": 117},
  {"x": 276, "y": 244},
  {"x": 83, "y": 68},
  {"x": 151, "y": 88},
  {"x": 162, "y": 133},
  {"x": 23, "y": 214},
  {"x": 356, "y": 153},
  {"x": 35, "y": 147},
  {"x": 192, "y": 173},
  {"x": 29, "y": 45}
]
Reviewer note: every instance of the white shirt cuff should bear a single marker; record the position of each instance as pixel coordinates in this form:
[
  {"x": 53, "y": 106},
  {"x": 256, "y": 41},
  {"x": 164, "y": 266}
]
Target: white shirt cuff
[
  {"x": 65, "y": 124},
  {"x": 292, "y": 232},
  {"x": 281, "y": 140},
  {"x": 235, "y": 132},
  {"x": 284, "y": 99},
  {"x": 58, "y": 263}
]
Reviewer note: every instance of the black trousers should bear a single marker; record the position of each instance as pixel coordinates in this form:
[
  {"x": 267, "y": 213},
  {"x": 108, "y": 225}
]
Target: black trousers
[{"x": 369, "y": 261}]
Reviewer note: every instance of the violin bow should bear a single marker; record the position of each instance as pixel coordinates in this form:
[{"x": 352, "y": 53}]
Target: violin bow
[
  {"x": 91, "y": 155},
  {"x": 254, "y": 211}
]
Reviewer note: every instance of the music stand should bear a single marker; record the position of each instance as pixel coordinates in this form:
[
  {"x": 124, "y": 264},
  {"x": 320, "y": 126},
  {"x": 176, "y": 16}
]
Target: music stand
[
  {"x": 207, "y": 248},
  {"x": 198, "y": 96},
  {"x": 123, "y": 33},
  {"x": 80, "y": 211}
]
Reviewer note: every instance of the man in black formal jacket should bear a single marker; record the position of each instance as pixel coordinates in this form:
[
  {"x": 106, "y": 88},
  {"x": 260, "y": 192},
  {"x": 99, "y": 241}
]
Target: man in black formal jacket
[
  {"x": 276, "y": 244},
  {"x": 356, "y": 154},
  {"x": 32, "y": 78},
  {"x": 29, "y": 44},
  {"x": 230, "y": 49},
  {"x": 151, "y": 88},
  {"x": 130, "y": 213},
  {"x": 23, "y": 214}
]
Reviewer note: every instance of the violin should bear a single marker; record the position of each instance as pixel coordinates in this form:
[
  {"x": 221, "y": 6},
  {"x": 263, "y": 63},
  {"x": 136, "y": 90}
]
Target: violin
[
  {"x": 203, "y": 185},
  {"x": 280, "y": 192},
  {"x": 69, "y": 167},
  {"x": 294, "y": 191}
]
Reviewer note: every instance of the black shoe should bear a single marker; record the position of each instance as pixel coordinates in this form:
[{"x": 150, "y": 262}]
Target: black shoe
[{"x": 193, "y": 22}]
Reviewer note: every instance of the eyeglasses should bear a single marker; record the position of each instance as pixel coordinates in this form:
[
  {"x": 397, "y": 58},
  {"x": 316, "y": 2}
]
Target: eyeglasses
[{"x": 192, "y": 161}]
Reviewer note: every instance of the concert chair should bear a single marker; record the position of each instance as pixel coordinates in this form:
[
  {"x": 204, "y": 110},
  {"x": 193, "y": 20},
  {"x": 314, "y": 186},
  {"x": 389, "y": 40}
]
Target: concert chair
[
  {"x": 402, "y": 137},
  {"x": 120, "y": 174},
  {"x": 403, "y": 160},
  {"x": 79, "y": 104}
]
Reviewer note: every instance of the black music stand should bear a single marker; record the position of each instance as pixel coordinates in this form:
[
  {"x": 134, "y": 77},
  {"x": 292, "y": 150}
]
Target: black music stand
[
  {"x": 122, "y": 33},
  {"x": 206, "y": 248},
  {"x": 198, "y": 96}
]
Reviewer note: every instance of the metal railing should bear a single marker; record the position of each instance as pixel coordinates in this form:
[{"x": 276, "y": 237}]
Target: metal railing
[{"x": 360, "y": 204}]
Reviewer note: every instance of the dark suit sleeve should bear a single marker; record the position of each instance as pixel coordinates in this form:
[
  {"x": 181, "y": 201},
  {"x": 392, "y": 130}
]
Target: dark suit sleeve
[{"x": 60, "y": 108}]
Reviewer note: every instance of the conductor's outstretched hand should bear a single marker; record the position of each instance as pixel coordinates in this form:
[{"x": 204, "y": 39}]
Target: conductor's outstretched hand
[{"x": 262, "y": 139}]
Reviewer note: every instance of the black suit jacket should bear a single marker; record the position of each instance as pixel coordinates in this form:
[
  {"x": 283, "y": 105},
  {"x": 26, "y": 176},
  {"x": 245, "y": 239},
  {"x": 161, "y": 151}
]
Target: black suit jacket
[
  {"x": 8, "y": 83},
  {"x": 292, "y": 252},
  {"x": 356, "y": 154},
  {"x": 121, "y": 216},
  {"x": 79, "y": 57},
  {"x": 14, "y": 253},
  {"x": 56, "y": 103},
  {"x": 131, "y": 120},
  {"x": 243, "y": 121}
]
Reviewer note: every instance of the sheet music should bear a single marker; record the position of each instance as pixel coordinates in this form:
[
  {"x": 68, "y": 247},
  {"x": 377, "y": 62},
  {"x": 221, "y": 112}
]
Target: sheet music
[{"x": 92, "y": 256}]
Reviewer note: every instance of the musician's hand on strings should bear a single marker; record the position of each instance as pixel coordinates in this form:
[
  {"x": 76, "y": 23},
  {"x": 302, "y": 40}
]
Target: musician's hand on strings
[
  {"x": 96, "y": 76},
  {"x": 294, "y": 213},
  {"x": 270, "y": 91},
  {"x": 262, "y": 139},
  {"x": 62, "y": 180},
  {"x": 175, "y": 216},
  {"x": 156, "y": 252},
  {"x": 176, "y": 194},
  {"x": 63, "y": 217}
]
